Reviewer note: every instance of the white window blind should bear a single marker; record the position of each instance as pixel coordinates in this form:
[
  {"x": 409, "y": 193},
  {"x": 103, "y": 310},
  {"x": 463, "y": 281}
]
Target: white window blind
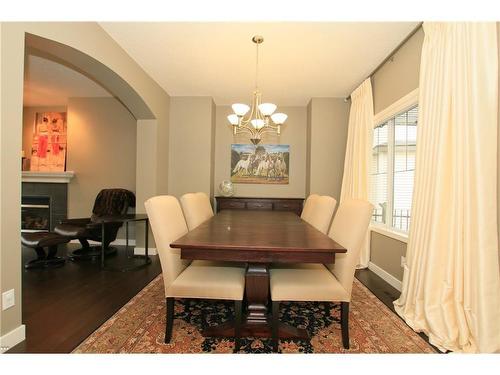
[{"x": 393, "y": 169}]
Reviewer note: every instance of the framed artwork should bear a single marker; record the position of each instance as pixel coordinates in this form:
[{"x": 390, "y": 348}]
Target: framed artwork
[
  {"x": 48, "y": 151},
  {"x": 262, "y": 164}
]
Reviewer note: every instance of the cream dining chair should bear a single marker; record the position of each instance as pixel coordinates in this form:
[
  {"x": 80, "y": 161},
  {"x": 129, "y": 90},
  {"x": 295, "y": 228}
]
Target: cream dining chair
[
  {"x": 185, "y": 279},
  {"x": 318, "y": 211},
  {"x": 197, "y": 209},
  {"x": 330, "y": 282}
]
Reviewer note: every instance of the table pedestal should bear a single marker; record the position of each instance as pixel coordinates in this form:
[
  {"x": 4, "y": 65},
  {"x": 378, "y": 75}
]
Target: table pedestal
[{"x": 257, "y": 322}]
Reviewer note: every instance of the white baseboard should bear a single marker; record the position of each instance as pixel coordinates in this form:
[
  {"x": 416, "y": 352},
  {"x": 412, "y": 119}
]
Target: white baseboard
[
  {"x": 12, "y": 338},
  {"x": 142, "y": 251},
  {"x": 386, "y": 276},
  {"x": 117, "y": 242}
]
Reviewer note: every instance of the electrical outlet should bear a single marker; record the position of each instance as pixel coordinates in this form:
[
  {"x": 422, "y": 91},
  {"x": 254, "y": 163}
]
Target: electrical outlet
[
  {"x": 8, "y": 299},
  {"x": 403, "y": 261}
]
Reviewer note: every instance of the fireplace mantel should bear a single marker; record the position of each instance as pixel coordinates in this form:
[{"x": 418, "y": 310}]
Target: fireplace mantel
[{"x": 48, "y": 177}]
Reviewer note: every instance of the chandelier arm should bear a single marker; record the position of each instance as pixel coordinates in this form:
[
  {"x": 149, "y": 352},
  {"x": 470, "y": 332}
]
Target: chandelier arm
[
  {"x": 244, "y": 129},
  {"x": 264, "y": 131}
]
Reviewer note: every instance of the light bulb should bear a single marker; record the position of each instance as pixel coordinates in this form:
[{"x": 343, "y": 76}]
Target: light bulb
[
  {"x": 279, "y": 118},
  {"x": 240, "y": 109},
  {"x": 267, "y": 109}
]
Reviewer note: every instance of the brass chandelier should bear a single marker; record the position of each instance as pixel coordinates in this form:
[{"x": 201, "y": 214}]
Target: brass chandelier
[{"x": 260, "y": 118}]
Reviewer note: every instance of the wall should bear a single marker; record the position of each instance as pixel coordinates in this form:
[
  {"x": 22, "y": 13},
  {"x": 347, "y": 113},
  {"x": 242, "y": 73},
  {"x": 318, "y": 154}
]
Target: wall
[
  {"x": 190, "y": 166},
  {"x": 293, "y": 133},
  {"x": 327, "y": 135},
  {"x": 91, "y": 49},
  {"x": 29, "y": 114},
  {"x": 101, "y": 151},
  {"x": 395, "y": 79},
  {"x": 399, "y": 75},
  {"x": 1, "y": 180}
]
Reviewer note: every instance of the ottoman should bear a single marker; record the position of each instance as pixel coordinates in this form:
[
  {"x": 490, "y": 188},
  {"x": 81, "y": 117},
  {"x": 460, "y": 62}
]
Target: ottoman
[{"x": 40, "y": 240}]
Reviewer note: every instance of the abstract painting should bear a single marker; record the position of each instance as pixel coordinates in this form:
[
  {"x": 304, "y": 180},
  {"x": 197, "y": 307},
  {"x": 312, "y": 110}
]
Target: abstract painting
[
  {"x": 262, "y": 164},
  {"x": 48, "y": 151}
]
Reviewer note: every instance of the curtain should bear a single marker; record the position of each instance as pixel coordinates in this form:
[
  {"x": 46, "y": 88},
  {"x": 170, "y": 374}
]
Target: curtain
[
  {"x": 358, "y": 154},
  {"x": 451, "y": 284}
]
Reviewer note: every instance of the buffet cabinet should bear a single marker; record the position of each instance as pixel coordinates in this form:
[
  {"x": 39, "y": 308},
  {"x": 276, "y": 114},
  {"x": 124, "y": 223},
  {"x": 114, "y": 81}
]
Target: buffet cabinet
[{"x": 269, "y": 204}]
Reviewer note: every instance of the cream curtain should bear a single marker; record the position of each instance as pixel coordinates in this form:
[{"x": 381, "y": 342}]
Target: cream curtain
[
  {"x": 358, "y": 154},
  {"x": 451, "y": 285}
]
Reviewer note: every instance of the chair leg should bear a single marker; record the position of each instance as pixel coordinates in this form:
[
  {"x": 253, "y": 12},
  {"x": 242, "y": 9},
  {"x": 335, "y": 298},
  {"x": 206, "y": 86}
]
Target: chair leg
[
  {"x": 344, "y": 322},
  {"x": 275, "y": 323},
  {"x": 238, "y": 307},
  {"x": 169, "y": 319}
]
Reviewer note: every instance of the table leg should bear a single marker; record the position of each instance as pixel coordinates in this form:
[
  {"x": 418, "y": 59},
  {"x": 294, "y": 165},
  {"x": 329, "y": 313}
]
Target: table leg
[
  {"x": 146, "y": 236},
  {"x": 257, "y": 322},
  {"x": 257, "y": 292},
  {"x": 126, "y": 240},
  {"x": 102, "y": 245}
]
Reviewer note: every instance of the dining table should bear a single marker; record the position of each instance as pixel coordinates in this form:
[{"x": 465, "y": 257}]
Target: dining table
[{"x": 260, "y": 240}]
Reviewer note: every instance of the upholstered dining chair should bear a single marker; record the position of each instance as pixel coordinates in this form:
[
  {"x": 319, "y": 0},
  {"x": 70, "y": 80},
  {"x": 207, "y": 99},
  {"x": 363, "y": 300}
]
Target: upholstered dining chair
[
  {"x": 330, "y": 282},
  {"x": 197, "y": 209},
  {"x": 318, "y": 211},
  {"x": 184, "y": 279}
]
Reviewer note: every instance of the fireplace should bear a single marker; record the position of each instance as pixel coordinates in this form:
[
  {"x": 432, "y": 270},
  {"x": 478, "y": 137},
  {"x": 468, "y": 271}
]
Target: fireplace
[
  {"x": 35, "y": 214},
  {"x": 43, "y": 205}
]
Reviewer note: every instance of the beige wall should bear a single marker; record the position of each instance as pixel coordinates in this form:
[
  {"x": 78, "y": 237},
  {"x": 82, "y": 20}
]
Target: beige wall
[
  {"x": 308, "y": 149},
  {"x": 190, "y": 166},
  {"x": 1, "y": 173},
  {"x": 293, "y": 134},
  {"x": 99, "y": 50},
  {"x": 387, "y": 254},
  {"x": 11, "y": 138},
  {"x": 327, "y": 135},
  {"x": 101, "y": 151},
  {"x": 399, "y": 75},
  {"x": 395, "y": 79},
  {"x": 29, "y": 114}
]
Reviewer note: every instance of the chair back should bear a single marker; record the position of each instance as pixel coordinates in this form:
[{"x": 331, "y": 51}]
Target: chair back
[
  {"x": 168, "y": 224},
  {"x": 113, "y": 202},
  {"x": 349, "y": 229},
  {"x": 318, "y": 211},
  {"x": 197, "y": 209}
]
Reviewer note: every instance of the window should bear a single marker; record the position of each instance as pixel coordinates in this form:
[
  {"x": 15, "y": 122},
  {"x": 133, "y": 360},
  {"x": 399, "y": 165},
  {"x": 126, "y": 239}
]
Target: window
[{"x": 393, "y": 169}]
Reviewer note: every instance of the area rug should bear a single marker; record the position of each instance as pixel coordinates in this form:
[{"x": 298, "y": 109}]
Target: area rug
[{"x": 139, "y": 327}]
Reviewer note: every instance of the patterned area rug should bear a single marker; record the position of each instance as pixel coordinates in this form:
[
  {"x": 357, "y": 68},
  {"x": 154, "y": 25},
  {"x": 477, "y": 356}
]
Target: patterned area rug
[{"x": 140, "y": 325}]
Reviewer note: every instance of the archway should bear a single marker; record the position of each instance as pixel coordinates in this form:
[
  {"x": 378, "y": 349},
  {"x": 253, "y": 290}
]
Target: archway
[{"x": 91, "y": 51}]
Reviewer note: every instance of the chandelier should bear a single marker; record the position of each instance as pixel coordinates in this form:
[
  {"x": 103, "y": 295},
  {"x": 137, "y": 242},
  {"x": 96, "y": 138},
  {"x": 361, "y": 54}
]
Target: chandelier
[{"x": 260, "y": 118}]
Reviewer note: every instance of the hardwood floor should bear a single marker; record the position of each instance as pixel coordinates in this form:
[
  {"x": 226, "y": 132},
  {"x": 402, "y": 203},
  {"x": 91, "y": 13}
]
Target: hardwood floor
[{"x": 63, "y": 306}]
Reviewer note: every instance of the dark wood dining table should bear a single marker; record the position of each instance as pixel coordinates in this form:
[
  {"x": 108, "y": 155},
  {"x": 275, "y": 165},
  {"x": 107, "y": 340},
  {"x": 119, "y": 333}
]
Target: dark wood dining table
[{"x": 258, "y": 239}]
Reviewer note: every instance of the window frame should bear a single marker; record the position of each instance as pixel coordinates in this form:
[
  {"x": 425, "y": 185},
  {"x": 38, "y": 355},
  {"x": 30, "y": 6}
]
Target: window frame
[{"x": 402, "y": 105}]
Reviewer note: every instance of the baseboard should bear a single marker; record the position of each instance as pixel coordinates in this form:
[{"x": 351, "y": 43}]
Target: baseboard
[
  {"x": 12, "y": 338},
  {"x": 117, "y": 242},
  {"x": 386, "y": 276},
  {"x": 142, "y": 251}
]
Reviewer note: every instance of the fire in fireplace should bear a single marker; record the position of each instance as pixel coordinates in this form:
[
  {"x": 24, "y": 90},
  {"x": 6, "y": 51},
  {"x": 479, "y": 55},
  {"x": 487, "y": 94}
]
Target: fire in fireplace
[{"x": 35, "y": 214}]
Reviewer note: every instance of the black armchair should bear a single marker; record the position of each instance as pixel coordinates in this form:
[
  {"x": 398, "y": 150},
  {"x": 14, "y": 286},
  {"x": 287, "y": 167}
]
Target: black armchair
[{"x": 109, "y": 202}]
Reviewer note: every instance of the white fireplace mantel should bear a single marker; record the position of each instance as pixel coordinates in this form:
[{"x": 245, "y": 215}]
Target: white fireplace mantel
[{"x": 48, "y": 177}]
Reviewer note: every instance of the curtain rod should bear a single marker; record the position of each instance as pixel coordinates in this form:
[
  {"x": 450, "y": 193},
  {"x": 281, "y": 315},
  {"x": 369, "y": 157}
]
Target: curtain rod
[{"x": 393, "y": 52}]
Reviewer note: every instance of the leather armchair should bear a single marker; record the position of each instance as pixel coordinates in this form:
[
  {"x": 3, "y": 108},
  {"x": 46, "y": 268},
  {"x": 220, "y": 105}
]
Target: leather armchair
[{"x": 109, "y": 202}]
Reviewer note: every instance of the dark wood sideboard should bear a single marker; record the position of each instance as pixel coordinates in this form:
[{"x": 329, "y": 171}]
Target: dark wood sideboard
[{"x": 269, "y": 204}]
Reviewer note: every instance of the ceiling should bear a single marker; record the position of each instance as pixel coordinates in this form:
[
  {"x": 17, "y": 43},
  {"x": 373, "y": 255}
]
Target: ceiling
[
  {"x": 47, "y": 83},
  {"x": 297, "y": 60}
]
